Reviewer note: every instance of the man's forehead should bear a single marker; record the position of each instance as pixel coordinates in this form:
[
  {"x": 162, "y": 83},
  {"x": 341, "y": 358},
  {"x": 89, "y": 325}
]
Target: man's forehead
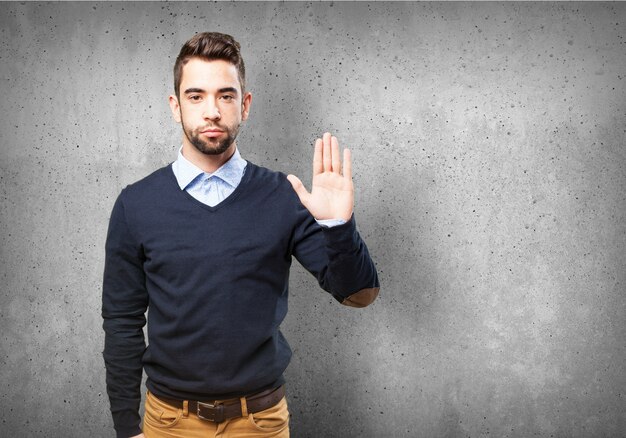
[{"x": 199, "y": 73}]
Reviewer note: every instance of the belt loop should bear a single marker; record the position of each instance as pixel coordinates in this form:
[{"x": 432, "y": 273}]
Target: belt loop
[
  {"x": 244, "y": 407},
  {"x": 185, "y": 408}
]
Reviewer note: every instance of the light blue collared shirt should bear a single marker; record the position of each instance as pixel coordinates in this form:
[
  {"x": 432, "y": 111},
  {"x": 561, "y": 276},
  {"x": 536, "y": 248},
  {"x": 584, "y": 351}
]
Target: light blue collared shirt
[
  {"x": 213, "y": 188},
  {"x": 209, "y": 188}
]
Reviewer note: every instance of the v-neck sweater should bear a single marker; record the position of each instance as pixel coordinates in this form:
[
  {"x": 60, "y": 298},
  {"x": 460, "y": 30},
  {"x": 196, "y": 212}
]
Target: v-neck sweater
[{"x": 214, "y": 283}]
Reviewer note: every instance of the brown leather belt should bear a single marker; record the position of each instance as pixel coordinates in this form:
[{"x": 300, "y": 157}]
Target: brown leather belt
[{"x": 219, "y": 411}]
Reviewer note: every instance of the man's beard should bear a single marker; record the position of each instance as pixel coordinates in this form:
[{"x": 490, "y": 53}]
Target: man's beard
[{"x": 215, "y": 147}]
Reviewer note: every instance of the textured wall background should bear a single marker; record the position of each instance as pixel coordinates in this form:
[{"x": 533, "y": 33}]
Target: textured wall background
[{"x": 489, "y": 148}]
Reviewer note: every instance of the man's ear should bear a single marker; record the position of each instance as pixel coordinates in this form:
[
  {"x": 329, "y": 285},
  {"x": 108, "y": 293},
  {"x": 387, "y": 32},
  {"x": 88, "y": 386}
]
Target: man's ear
[
  {"x": 175, "y": 107},
  {"x": 245, "y": 106}
]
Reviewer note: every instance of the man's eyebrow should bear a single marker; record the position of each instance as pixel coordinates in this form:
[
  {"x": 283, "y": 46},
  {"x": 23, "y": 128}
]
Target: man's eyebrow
[
  {"x": 194, "y": 90},
  {"x": 221, "y": 90},
  {"x": 228, "y": 90}
]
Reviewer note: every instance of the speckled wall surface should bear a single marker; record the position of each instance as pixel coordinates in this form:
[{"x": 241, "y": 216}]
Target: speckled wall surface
[{"x": 489, "y": 149}]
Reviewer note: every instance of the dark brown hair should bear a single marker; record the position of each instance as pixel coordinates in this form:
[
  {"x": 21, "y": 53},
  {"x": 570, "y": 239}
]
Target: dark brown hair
[{"x": 210, "y": 46}]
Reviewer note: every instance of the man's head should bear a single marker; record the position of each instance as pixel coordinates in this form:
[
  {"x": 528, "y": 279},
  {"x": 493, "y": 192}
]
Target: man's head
[
  {"x": 210, "y": 99},
  {"x": 210, "y": 46}
]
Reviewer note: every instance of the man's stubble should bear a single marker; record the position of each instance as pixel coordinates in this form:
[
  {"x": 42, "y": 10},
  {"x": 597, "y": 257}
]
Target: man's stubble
[{"x": 216, "y": 147}]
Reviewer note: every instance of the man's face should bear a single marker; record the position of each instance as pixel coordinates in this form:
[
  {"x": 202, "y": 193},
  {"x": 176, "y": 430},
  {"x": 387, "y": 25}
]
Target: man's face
[{"x": 211, "y": 107}]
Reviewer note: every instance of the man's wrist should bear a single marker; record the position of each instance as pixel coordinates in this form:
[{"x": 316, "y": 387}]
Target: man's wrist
[
  {"x": 329, "y": 223},
  {"x": 127, "y": 432}
]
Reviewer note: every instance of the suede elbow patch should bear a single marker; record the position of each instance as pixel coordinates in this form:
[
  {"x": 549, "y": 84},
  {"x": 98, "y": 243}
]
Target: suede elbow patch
[{"x": 362, "y": 298}]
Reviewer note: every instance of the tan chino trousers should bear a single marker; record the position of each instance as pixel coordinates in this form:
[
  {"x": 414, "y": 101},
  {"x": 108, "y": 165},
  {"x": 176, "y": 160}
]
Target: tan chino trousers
[{"x": 164, "y": 421}]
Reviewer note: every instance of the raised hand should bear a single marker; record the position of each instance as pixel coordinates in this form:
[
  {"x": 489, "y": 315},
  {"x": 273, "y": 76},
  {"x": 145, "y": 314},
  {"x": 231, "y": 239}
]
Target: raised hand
[{"x": 332, "y": 192}]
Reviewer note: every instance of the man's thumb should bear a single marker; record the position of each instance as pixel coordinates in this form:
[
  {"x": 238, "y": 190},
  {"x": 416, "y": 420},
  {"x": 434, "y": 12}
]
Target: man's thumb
[{"x": 299, "y": 188}]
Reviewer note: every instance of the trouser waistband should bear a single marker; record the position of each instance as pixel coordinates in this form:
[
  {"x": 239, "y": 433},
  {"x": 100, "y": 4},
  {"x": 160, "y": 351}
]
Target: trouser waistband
[{"x": 218, "y": 411}]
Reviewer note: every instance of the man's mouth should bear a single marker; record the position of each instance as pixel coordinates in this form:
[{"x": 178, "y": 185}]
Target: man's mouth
[{"x": 212, "y": 132}]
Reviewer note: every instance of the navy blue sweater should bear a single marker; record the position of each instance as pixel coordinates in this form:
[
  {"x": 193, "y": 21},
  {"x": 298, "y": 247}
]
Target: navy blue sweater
[{"x": 214, "y": 281}]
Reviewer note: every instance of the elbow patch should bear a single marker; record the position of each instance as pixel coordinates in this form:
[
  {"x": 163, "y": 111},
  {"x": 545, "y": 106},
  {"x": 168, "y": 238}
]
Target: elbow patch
[{"x": 362, "y": 298}]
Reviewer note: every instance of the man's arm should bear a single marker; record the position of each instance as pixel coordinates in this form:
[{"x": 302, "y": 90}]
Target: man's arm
[
  {"x": 336, "y": 255},
  {"x": 124, "y": 303}
]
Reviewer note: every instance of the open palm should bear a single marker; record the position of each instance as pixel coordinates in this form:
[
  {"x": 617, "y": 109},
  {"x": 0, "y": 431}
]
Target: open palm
[{"x": 332, "y": 191}]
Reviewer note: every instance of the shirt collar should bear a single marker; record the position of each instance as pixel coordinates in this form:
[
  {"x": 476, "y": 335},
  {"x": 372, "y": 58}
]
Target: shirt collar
[{"x": 231, "y": 172}]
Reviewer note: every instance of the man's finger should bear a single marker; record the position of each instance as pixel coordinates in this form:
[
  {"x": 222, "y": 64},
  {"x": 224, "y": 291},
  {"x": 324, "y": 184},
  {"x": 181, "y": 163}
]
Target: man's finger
[
  {"x": 318, "y": 165},
  {"x": 336, "y": 157},
  {"x": 299, "y": 188},
  {"x": 347, "y": 164},
  {"x": 327, "y": 157}
]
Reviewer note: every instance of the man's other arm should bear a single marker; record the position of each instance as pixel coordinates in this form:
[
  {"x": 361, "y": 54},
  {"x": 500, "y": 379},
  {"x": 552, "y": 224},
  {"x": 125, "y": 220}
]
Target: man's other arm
[{"x": 124, "y": 303}]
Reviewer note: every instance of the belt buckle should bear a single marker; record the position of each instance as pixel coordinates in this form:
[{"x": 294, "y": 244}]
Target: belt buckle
[{"x": 214, "y": 412}]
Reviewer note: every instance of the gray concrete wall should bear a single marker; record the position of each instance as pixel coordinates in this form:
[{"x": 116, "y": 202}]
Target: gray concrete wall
[{"x": 489, "y": 150}]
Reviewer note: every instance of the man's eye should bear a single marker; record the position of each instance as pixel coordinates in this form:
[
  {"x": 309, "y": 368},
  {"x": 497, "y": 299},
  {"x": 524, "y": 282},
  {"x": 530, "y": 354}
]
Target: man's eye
[
  {"x": 227, "y": 97},
  {"x": 195, "y": 98}
]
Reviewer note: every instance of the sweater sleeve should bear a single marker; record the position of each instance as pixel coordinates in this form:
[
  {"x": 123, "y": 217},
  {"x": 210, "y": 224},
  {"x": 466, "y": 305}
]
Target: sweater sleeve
[
  {"x": 124, "y": 303},
  {"x": 338, "y": 258}
]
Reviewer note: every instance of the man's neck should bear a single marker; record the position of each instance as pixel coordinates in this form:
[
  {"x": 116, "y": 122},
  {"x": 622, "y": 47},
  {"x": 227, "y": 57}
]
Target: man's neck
[{"x": 208, "y": 163}]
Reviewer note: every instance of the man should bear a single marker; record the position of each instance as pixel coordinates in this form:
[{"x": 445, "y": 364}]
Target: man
[{"x": 206, "y": 244}]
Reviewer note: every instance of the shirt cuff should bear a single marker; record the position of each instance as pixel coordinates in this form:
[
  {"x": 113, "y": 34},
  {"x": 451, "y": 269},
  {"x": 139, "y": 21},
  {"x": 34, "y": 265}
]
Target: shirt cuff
[{"x": 330, "y": 222}]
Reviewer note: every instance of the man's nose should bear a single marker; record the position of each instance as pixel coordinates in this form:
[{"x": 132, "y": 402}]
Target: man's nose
[{"x": 211, "y": 111}]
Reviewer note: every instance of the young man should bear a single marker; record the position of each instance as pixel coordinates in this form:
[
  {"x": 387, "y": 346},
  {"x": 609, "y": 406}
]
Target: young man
[{"x": 206, "y": 244}]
